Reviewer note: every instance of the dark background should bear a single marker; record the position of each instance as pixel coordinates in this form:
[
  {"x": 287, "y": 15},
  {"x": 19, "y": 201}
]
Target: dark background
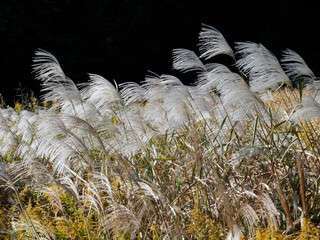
[{"x": 123, "y": 39}]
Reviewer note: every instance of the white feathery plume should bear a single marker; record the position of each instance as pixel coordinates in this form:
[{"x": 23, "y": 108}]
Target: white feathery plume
[
  {"x": 170, "y": 81},
  {"x": 61, "y": 92},
  {"x": 124, "y": 142},
  {"x": 250, "y": 217},
  {"x": 8, "y": 113},
  {"x": 63, "y": 157},
  {"x": 101, "y": 179},
  {"x": 145, "y": 199},
  {"x": 38, "y": 173},
  {"x": 269, "y": 209},
  {"x": 120, "y": 219},
  {"x": 54, "y": 82},
  {"x": 10, "y": 116},
  {"x": 155, "y": 89},
  {"x": 186, "y": 60},
  {"x": 212, "y": 43},
  {"x": 208, "y": 82},
  {"x": 239, "y": 101},
  {"x": 176, "y": 106},
  {"x": 5, "y": 178},
  {"x": 144, "y": 188},
  {"x": 201, "y": 103},
  {"x": 235, "y": 234},
  {"x": 7, "y": 136},
  {"x": 91, "y": 196},
  {"x": 133, "y": 121},
  {"x": 131, "y": 92},
  {"x": 25, "y": 129},
  {"x": 310, "y": 108},
  {"x": 25, "y": 152},
  {"x": 295, "y": 67},
  {"x": 22, "y": 225},
  {"x": 85, "y": 110},
  {"x": 63, "y": 148},
  {"x": 104, "y": 126},
  {"x": 101, "y": 93},
  {"x": 25, "y": 126},
  {"x": 72, "y": 186},
  {"x": 155, "y": 92},
  {"x": 47, "y": 67},
  {"x": 260, "y": 66},
  {"x": 53, "y": 196},
  {"x": 127, "y": 143},
  {"x": 85, "y": 134},
  {"x": 266, "y": 96},
  {"x": 155, "y": 116},
  {"x": 176, "y": 102},
  {"x": 233, "y": 90},
  {"x": 215, "y": 74}
]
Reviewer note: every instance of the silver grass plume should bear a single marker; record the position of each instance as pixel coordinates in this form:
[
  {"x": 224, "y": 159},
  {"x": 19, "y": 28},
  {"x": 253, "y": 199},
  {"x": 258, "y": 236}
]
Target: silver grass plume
[
  {"x": 131, "y": 92},
  {"x": 53, "y": 197},
  {"x": 234, "y": 234},
  {"x": 23, "y": 225},
  {"x": 202, "y": 103},
  {"x": 61, "y": 145},
  {"x": 101, "y": 93},
  {"x": 85, "y": 110},
  {"x": 260, "y": 66},
  {"x": 46, "y": 66},
  {"x": 177, "y": 101},
  {"x": 210, "y": 79},
  {"x": 155, "y": 92},
  {"x": 72, "y": 186},
  {"x": 121, "y": 219},
  {"x": 133, "y": 121},
  {"x": 295, "y": 67},
  {"x": 176, "y": 105},
  {"x": 233, "y": 90},
  {"x": 250, "y": 217},
  {"x": 170, "y": 81},
  {"x": 185, "y": 60},
  {"x": 25, "y": 125},
  {"x": 82, "y": 129},
  {"x": 25, "y": 130},
  {"x": 129, "y": 141},
  {"x": 103, "y": 183},
  {"x": 54, "y": 82},
  {"x": 92, "y": 198},
  {"x": 269, "y": 209},
  {"x": 310, "y": 108},
  {"x": 212, "y": 43},
  {"x": 8, "y": 138}
]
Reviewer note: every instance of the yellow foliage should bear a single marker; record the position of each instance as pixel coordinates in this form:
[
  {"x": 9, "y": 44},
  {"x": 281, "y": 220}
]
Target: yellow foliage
[
  {"x": 308, "y": 231},
  {"x": 270, "y": 233},
  {"x": 72, "y": 223},
  {"x": 201, "y": 227},
  {"x": 4, "y": 225},
  {"x": 18, "y": 107}
]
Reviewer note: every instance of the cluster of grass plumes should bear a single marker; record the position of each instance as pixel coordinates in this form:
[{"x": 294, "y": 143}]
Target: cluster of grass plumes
[{"x": 234, "y": 156}]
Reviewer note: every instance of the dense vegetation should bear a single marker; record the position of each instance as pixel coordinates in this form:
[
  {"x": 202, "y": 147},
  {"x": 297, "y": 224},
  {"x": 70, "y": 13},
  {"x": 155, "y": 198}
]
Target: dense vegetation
[{"x": 234, "y": 156}]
